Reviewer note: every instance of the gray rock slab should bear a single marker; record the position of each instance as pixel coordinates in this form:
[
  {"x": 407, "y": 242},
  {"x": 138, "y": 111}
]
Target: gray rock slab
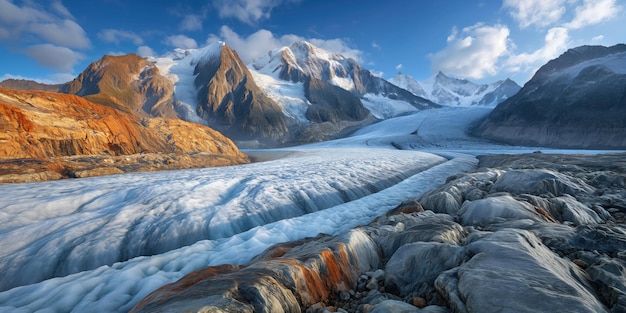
[{"x": 512, "y": 271}]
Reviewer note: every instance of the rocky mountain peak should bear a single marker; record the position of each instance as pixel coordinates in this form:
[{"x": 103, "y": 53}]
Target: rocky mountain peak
[
  {"x": 577, "y": 55},
  {"x": 229, "y": 99},
  {"x": 127, "y": 82}
]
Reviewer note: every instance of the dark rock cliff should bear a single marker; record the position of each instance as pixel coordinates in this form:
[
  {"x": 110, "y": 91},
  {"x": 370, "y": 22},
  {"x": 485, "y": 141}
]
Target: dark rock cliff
[{"x": 575, "y": 101}]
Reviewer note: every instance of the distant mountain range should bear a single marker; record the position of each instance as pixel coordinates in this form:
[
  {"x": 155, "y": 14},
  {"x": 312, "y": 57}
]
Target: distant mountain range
[
  {"x": 302, "y": 93},
  {"x": 294, "y": 94},
  {"x": 577, "y": 100},
  {"x": 450, "y": 91}
]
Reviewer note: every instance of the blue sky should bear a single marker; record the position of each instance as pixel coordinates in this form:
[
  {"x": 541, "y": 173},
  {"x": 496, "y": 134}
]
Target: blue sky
[{"x": 54, "y": 40}]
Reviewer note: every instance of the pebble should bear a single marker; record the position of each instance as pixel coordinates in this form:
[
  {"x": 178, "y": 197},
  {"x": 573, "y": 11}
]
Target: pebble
[
  {"x": 379, "y": 274},
  {"x": 345, "y": 295},
  {"x": 418, "y": 302},
  {"x": 372, "y": 285}
]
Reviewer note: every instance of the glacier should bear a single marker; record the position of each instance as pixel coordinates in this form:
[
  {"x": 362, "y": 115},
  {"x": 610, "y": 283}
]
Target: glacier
[{"x": 104, "y": 243}]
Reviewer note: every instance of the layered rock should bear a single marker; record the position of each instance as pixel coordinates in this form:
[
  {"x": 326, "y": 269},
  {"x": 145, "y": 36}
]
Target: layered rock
[
  {"x": 40, "y": 125},
  {"x": 574, "y": 101},
  {"x": 128, "y": 82},
  {"x": 497, "y": 246}
]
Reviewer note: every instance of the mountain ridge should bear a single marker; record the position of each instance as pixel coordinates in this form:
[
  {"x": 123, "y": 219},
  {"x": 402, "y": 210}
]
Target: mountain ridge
[
  {"x": 574, "y": 101},
  {"x": 450, "y": 91},
  {"x": 60, "y": 135}
]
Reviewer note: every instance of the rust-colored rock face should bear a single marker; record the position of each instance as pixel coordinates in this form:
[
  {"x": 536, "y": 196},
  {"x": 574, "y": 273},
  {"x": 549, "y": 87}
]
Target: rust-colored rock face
[
  {"x": 127, "y": 82},
  {"x": 285, "y": 279},
  {"x": 43, "y": 125}
]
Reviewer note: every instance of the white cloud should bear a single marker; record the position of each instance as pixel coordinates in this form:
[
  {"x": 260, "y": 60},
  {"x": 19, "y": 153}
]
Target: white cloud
[
  {"x": 474, "y": 52},
  {"x": 248, "y": 11},
  {"x": 61, "y": 9},
  {"x": 597, "y": 38},
  {"x": 65, "y": 33},
  {"x": 556, "y": 42},
  {"x": 181, "y": 41},
  {"x": 399, "y": 67},
  {"x": 116, "y": 36},
  {"x": 145, "y": 51},
  {"x": 375, "y": 45},
  {"x": 191, "y": 22},
  {"x": 60, "y": 58},
  {"x": 53, "y": 25},
  {"x": 262, "y": 41},
  {"x": 535, "y": 12},
  {"x": 593, "y": 12}
]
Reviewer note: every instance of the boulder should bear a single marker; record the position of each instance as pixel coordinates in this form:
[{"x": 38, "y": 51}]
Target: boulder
[
  {"x": 415, "y": 266},
  {"x": 496, "y": 209},
  {"x": 540, "y": 182},
  {"x": 422, "y": 227},
  {"x": 512, "y": 271},
  {"x": 394, "y": 306}
]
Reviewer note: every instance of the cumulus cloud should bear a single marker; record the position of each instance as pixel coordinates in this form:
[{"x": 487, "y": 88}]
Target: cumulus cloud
[
  {"x": 555, "y": 43},
  {"x": 145, "y": 51},
  {"x": 60, "y": 58},
  {"x": 593, "y": 12},
  {"x": 54, "y": 25},
  {"x": 261, "y": 41},
  {"x": 535, "y": 12},
  {"x": 181, "y": 41},
  {"x": 597, "y": 38},
  {"x": 58, "y": 7},
  {"x": 248, "y": 11},
  {"x": 191, "y": 22},
  {"x": 49, "y": 29},
  {"x": 399, "y": 67},
  {"x": 474, "y": 52},
  {"x": 117, "y": 36}
]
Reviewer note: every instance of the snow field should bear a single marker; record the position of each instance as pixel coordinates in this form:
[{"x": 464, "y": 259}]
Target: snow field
[{"x": 118, "y": 287}]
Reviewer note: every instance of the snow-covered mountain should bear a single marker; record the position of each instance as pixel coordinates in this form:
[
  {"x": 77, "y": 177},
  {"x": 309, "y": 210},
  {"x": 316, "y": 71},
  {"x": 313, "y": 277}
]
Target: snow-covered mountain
[
  {"x": 215, "y": 87},
  {"x": 294, "y": 94},
  {"x": 302, "y": 62},
  {"x": 576, "y": 100},
  {"x": 451, "y": 91}
]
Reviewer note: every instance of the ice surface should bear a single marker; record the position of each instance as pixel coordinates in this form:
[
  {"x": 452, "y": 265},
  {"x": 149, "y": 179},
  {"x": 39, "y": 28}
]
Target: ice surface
[
  {"x": 78, "y": 225},
  {"x": 124, "y": 236},
  {"x": 290, "y": 96},
  {"x": 118, "y": 287},
  {"x": 383, "y": 108}
]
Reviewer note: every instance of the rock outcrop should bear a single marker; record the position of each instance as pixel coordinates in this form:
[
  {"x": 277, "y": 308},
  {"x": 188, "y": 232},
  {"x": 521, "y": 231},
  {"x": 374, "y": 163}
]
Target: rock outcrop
[
  {"x": 231, "y": 102},
  {"x": 56, "y": 133},
  {"x": 574, "y": 101},
  {"x": 480, "y": 243},
  {"x": 128, "y": 82}
]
